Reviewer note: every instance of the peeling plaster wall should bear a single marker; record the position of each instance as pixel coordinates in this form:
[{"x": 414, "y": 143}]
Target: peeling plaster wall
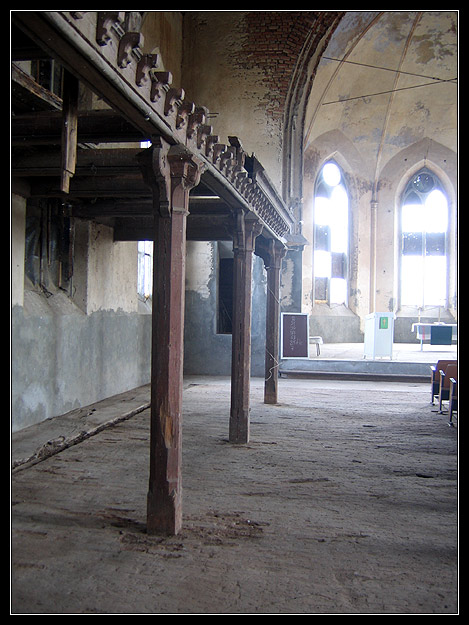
[
  {"x": 205, "y": 351},
  {"x": 18, "y": 217},
  {"x": 162, "y": 33},
  {"x": 200, "y": 267},
  {"x": 218, "y": 75},
  {"x": 70, "y": 352},
  {"x": 63, "y": 359},
  {"x": 105, "y": 272}
]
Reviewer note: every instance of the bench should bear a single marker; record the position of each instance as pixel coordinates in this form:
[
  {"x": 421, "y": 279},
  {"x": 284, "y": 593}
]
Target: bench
[
  {"x": 453, "y": 399},
  {"x": 435, "y": 379},
  {"x": 451, "y": 371}
]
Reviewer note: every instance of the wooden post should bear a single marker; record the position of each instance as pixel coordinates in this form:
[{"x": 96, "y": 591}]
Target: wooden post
[
  {"x": 171, "y": 176},
  {"x": 243, "y": 245},
  {"x": 272, "y": 327},
  {"x": 69, "y": 129}
]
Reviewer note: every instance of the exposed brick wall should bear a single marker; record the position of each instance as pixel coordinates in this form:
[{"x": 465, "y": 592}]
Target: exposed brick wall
[{"x": 272, "y": 42}]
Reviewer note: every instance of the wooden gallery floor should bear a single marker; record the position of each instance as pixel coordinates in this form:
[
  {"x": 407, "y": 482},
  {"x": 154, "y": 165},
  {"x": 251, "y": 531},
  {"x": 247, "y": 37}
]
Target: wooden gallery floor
[{"x": 344, "y": 502}]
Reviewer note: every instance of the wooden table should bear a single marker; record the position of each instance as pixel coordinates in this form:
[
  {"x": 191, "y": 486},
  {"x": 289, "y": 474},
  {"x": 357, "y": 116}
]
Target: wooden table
[{"x": 435, "y": 332}]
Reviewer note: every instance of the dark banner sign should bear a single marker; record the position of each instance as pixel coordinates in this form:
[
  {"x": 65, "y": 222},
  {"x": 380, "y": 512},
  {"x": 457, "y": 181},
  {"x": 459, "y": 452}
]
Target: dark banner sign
[{"x": 295, "y": 335}]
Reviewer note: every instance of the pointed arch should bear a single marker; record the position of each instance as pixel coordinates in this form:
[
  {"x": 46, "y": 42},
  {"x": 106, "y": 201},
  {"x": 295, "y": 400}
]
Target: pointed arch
[
  {"x": 296, "y": 102},
  {"x": 423, "y": 250},
  {"x": 441, "y": 162}
]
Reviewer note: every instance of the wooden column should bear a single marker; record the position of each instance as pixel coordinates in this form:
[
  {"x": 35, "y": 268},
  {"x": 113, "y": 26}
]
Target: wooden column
[
  {"x": 276, "y": 252},
  {"x": 243, "y": 246},
  {"x": 171, "y": 176}
]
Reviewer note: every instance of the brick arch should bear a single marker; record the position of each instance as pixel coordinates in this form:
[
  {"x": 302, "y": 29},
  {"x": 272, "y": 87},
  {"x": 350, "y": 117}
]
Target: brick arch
[
  {"x": 274, "y": 41},
  {"x": 316, "y": 31}
]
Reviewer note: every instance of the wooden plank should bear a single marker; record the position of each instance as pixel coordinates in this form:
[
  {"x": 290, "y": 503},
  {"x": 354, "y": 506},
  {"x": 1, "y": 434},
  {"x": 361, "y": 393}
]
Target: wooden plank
[
  {"x": 69, "y": 130},
  {"x": 27, "y": 93},
  {"x": 103, "y": 186}
]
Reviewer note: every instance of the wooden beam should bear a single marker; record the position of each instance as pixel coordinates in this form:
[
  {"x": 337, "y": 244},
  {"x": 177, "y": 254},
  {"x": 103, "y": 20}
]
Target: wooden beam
[
  {"x": 28, "y": 94},
  {"x": 45, "y": 128},
  {"x": 91, "y": 162},
  {"x": 141, "y": 228},
  {"x": 243, "y": 246},
  {"x": 130, "y": 186}
]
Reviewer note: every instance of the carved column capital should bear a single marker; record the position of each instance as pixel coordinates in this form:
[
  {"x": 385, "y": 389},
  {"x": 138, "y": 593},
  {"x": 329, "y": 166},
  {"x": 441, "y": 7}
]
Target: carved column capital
[
  {"x": 156, "y": 172},
  {"x": 277, "y": 251},
  {"x": 185, "y": 172},
  {"x": 246, "y": 231},
  {"x": 272, "y": 252}
]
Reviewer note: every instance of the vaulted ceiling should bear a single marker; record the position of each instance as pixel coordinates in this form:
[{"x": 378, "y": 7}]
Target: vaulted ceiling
[{"x": 385, "y": 80}]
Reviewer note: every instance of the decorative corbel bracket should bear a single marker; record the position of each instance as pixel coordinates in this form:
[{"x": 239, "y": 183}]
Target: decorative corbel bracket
[
  {"x": 217, "y": 151},
  {"x": 238, "y": 177},
  {"x": 144, "y": 67},
  {"x": 108, "y": 20},
  {"x": 174, "y": 98},
  {"x": 240, "y": 153},
  {"x": 227, "y": 161},
  {"x": 203, "y": 131},
  {"x": 271, "y": 251},
  {"x": 127, "y": 44},
  {"x": 247, "y": 229},
  {"x": 210, "y": 143},
  {"x": 195, "y": 120},
  {"x": 185, "y": 109},
  {"x": 160, "y": 84}
]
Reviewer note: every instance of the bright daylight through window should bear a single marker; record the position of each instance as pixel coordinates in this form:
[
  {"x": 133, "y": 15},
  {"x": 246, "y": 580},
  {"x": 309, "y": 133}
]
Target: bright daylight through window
[
  {"x": 424, "y": 225},
  {"x": 145, "y": 269},
  {"x": 331, "y": 236}
]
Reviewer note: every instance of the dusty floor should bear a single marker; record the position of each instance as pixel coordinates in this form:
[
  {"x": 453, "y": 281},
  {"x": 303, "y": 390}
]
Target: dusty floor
[{"x": 343, "y": 502}]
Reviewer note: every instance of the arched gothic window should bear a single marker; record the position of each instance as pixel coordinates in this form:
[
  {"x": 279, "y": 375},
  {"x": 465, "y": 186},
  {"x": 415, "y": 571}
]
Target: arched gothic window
[
  {"x": 331, "y": 237},
  {"x": 424, "y": 228}
]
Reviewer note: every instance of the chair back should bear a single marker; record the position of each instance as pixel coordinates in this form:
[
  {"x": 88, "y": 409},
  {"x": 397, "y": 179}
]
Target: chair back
[
  {"x": 441, "y": 365},
  {"x": 451, "y": 371}
]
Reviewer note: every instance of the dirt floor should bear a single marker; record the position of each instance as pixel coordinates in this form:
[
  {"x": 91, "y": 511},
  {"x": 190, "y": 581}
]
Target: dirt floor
[{"x": 343, "y": 502}]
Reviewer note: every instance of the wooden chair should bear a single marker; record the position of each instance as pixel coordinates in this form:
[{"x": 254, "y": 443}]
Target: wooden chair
[
  {"x": 453, "y": 399},
  {"x": 451, "y": 371},
  {"x": 435, "y": 379}
]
